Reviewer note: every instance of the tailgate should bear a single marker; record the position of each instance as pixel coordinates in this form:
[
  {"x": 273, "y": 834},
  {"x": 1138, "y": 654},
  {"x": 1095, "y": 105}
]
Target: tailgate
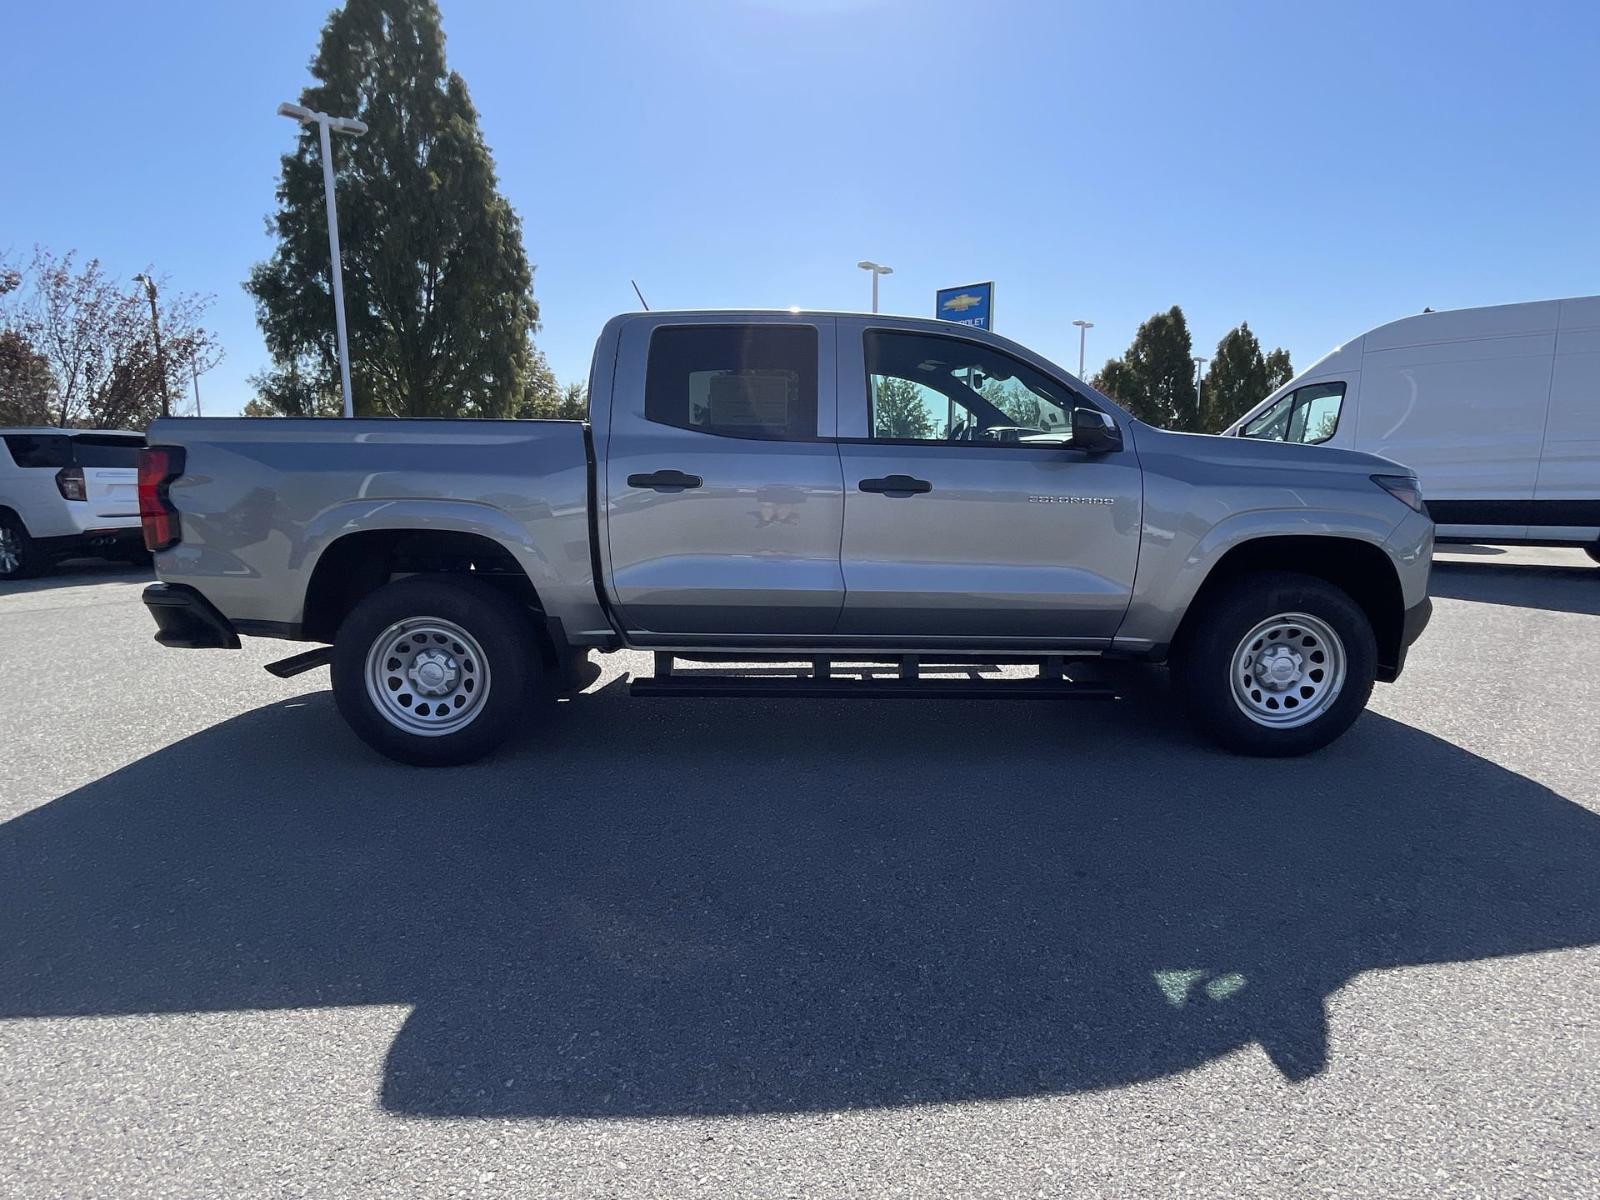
[{"x": 110, "y": 473}]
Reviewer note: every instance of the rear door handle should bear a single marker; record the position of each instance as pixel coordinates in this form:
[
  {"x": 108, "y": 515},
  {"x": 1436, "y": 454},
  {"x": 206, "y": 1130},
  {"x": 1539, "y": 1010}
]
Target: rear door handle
[
  {"x": 896, "y": 485},
  {"x": 665, "y": 481}
]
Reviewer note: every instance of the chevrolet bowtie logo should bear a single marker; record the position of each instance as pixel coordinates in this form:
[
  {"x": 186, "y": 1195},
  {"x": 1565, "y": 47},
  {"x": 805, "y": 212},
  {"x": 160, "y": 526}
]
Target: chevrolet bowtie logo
[{"x": 962, "y": 302}]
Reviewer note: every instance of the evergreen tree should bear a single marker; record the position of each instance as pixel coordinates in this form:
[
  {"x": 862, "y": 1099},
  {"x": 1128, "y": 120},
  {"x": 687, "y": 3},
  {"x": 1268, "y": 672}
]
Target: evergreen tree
[
  {"x": 1155, "y": 378},
  {"x": 1279, "y": 369},
  {"x": 438, "y": 290},
  {"x": 1236, "y": 380},
  {"x": 1240, "y": 377}
]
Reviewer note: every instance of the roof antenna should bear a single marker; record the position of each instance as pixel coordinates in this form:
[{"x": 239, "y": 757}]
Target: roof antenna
[{"x": 639, "y": 294}]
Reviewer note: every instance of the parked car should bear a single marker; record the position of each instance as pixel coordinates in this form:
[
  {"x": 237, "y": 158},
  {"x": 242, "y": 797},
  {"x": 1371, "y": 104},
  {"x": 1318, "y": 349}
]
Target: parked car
[
  {"x": 1496, "y": 409},
  {"x": 823, "y": 488},
  {"x": 67, "y": 492}
]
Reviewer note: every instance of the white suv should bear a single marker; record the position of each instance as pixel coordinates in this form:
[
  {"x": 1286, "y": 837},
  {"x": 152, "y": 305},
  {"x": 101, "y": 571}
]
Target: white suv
[{"x": 66, "y": 492}]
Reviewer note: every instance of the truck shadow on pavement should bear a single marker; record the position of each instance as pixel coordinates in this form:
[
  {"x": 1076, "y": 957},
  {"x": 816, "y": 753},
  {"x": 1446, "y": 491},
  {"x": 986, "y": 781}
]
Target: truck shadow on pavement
[{"x": 708, "y": 907}]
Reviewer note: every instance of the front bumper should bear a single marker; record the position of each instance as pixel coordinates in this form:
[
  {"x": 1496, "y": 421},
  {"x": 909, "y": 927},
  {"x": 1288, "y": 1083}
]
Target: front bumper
[
  {"x": 186, "y": 619},
  {"x": 1411, "y": 626},
  {"x": 1416, "y": 620}
]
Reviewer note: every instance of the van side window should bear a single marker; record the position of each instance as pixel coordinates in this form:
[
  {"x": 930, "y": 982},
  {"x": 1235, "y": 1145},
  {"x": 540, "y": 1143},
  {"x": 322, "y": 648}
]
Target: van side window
[
  {"x": 754, "y": 381},
  {"x": 1309, "y": 415}
]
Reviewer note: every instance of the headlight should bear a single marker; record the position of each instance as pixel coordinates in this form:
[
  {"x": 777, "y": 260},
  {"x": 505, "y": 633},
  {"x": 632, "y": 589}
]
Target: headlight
[{"x": 1403, "y": 488}]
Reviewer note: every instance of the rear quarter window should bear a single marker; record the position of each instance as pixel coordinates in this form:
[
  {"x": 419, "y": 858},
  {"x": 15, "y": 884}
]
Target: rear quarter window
[{"x": 41, "y": 450}]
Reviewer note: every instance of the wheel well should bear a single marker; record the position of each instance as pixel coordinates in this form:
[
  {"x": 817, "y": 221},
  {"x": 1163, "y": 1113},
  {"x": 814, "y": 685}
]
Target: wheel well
[
  {"x": 360, "y": 563},
  {"x": 1359, "y": 569}
]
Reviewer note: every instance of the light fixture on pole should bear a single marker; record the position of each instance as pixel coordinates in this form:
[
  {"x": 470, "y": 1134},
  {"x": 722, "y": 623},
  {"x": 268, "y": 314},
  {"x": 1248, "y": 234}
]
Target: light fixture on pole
[
  {"x": 1083, "y": 333},
  {"x": 1199, "y": 377},
  {"x": 155, "y": 331},
  {"x": 351, "y": 128},
  {"x": 876, "y": 269}
]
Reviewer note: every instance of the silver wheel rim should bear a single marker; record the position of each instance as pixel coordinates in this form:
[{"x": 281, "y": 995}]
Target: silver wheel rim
[
  {"x": 427, "y": 676},
  {"x": 10, "y": 550},
  {"x": 1288, "y": 670}
]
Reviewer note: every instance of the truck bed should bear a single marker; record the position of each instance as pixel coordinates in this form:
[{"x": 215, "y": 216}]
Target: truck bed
[{"x": 264, "y": 499}]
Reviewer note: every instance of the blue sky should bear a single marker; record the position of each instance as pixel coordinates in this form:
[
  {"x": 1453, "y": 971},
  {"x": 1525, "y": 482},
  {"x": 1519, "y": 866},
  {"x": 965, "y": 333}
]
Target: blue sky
[{"x": 1314, "y": 169}]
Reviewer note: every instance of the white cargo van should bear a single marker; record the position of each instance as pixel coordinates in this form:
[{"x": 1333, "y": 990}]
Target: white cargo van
[
  {"x": 66, "y": 492},
  {"x": 1496, "y": 409}
]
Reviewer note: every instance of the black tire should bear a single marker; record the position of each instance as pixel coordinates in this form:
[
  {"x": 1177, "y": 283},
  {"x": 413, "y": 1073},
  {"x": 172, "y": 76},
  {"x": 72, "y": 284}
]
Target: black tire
[
  {"x": 1202, "y": 663},
  {"x": 22, "y": 559},
  {"x": 510, "y": 663}
]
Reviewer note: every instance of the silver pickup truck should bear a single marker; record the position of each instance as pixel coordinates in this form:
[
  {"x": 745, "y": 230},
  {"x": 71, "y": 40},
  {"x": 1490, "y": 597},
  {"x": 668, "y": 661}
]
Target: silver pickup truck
[{"x": 827, "y": 489}]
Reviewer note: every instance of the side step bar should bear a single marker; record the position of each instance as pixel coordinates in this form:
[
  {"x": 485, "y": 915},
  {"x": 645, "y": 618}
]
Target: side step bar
[
  {"x": 1050, "y": 683},
  {"x": 298, "y": 664}
]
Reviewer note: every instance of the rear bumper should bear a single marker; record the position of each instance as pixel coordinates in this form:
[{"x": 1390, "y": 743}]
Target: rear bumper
[
  {"x": 111, "y": 540},
  {"x": 187, "y": 620}
]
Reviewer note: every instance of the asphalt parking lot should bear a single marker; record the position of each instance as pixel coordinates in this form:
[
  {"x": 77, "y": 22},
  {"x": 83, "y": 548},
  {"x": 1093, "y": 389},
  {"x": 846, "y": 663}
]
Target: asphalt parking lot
[{"x": 800, "y": 948}]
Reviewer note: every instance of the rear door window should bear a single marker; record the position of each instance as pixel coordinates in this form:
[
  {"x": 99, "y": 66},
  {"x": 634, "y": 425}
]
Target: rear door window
[{"x": 753, "y": 381}]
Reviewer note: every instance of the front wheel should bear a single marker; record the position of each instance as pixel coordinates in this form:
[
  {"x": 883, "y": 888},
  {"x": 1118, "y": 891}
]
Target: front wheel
[
  {"x": 1275, "y": 663},
  {"x": 434, "y": 671}
]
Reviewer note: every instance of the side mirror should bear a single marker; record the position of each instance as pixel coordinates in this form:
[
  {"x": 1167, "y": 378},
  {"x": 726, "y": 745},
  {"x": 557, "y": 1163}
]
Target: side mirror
[{"x": 1094, "y": 431}]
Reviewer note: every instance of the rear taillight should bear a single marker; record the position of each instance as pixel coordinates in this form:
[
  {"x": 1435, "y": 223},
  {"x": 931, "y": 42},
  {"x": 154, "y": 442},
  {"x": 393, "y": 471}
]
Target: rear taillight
[
  {"x": 158, "y": 467},
  {"x": 69, "y": 482}
]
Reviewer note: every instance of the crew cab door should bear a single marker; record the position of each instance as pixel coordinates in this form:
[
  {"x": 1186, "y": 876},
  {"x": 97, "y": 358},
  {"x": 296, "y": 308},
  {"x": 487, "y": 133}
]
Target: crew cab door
[
  {"x": 723, "y": 505},
  {"x": 967, "y": 512}
]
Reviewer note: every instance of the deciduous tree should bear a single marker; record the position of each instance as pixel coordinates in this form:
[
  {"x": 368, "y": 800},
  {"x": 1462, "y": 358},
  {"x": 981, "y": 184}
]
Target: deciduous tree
[
  {"x": 91, "y": 343},
  {"x": 899, "y": 410}
]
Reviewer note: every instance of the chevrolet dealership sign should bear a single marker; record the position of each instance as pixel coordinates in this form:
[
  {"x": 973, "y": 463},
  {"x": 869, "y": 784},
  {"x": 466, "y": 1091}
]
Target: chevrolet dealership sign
[{"x": 970, "y": 305}]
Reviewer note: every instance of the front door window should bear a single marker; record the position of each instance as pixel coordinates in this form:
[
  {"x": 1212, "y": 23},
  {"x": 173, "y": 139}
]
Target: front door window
[{"x": 926, "y": 388}]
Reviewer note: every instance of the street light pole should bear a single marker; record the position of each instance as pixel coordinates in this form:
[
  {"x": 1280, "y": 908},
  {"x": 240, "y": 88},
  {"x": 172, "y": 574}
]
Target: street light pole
[
  {"x": 1083, "y": 333},
  {"x": 155, "y": 331},
  {"x": 1199, "y": 382},
  {"x": 327, "y": 125},
  {"x": 194, "y": 366},
  {"x": 876, "y": 269}
]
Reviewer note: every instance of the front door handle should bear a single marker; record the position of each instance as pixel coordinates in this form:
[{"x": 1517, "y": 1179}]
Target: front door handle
[
  {"x": 665, "y": 481},
  {"x": 896, "y": 485}
]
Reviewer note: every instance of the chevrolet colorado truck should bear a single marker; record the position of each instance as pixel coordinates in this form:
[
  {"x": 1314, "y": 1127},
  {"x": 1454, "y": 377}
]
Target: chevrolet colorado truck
[{"x": 823, "y": 489}]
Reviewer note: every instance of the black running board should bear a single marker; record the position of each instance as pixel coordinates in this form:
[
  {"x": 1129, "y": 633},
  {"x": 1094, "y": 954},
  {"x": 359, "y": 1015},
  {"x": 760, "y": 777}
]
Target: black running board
[
  {"x": 873, "y": 689},
  {"x": 298, "y": 664}
]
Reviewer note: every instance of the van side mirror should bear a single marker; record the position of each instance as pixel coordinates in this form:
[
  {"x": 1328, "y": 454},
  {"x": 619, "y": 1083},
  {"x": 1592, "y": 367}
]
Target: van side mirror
[{"x": 1094, "y": 431}]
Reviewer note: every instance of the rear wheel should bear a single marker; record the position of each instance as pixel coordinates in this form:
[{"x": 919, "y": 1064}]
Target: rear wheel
[
  {"x": 19, "y": 557},
  {"x": 1274, "y": 663},
  {"x": 434, "y": 671}
]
